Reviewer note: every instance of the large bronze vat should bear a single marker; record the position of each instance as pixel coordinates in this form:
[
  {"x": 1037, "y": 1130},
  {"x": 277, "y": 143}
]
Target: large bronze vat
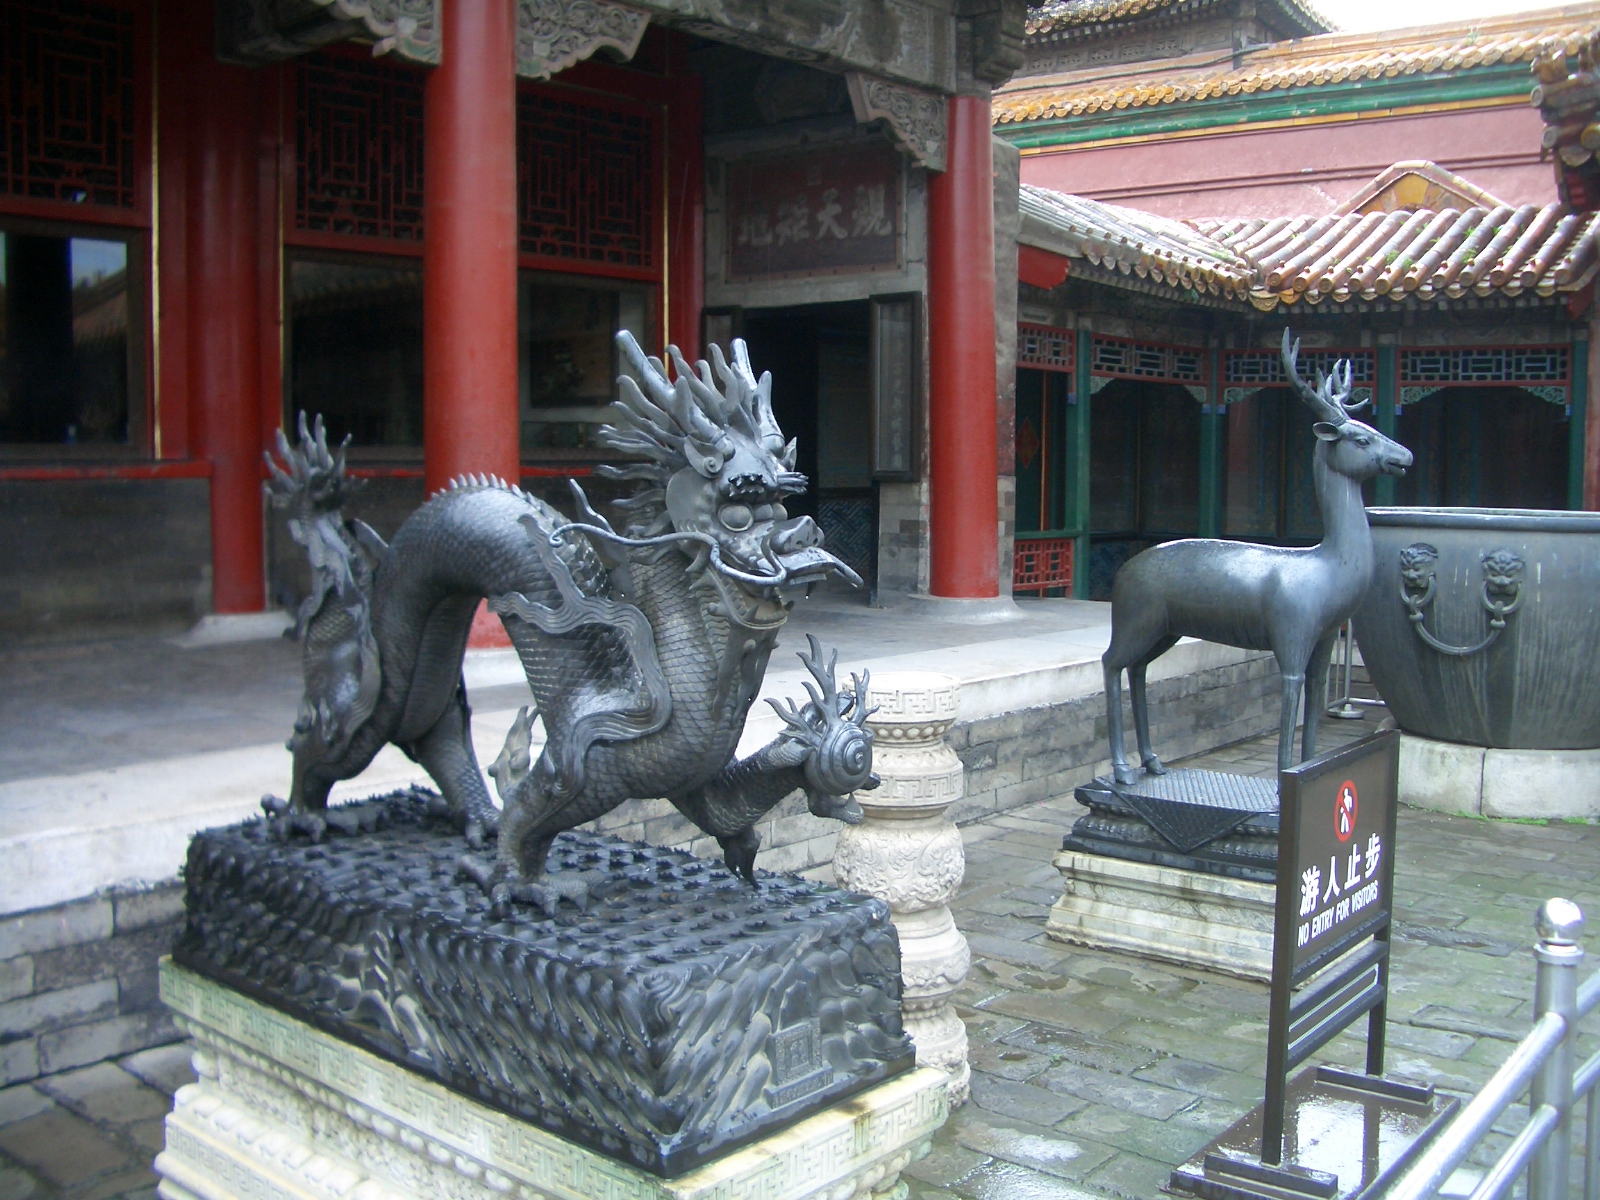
[{"x": 1482, "y": 625}]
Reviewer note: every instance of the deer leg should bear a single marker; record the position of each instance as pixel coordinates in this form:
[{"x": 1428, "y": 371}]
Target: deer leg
[
  {"x": 1120, "y": 770},
  {"x": 1291, "y": 702},
  {"x": 1316, "y": 682},
  {"x": 1141, "y": 717}
]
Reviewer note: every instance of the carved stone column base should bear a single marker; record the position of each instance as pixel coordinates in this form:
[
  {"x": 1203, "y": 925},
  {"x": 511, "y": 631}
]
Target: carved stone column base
[
  {"x": 286, "y": 1111},
  {"x": 941, "y": 1039},
  {"x": 907, "y": 853}
]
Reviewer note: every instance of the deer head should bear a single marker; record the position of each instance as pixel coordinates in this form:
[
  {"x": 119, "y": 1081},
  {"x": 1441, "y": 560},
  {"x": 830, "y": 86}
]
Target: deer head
[{"x": 1354, "y": 449}]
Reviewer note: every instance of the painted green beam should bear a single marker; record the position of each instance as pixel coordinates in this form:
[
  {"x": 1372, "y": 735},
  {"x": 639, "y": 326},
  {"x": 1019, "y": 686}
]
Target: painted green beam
[{"x": 1351, "y": 98}]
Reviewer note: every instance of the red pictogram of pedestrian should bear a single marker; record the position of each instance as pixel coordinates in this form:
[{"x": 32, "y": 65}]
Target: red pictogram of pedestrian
[{"x": 1344, "y": 811}]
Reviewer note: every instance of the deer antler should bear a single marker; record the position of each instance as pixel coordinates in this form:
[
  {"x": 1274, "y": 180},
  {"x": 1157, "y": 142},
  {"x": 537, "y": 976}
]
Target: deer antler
[{"x": 1330, "y": 399}]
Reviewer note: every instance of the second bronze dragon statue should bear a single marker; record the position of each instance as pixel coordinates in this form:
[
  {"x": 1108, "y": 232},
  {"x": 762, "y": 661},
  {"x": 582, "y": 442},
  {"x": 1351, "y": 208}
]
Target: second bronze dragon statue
[{"x": 644, "y": 646}]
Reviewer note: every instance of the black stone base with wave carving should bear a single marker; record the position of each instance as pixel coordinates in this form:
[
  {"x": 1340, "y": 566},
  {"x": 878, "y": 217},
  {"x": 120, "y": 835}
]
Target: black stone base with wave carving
[{"x": 684, "y": 1014}]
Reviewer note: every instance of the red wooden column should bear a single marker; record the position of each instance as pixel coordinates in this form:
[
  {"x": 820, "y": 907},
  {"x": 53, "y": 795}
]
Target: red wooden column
[
  {"x": 963, "y": 508},
  {"x": 224, "y": 321},
  {"x": 469, "y": 263},
  {"x": 686, "y": 210}
]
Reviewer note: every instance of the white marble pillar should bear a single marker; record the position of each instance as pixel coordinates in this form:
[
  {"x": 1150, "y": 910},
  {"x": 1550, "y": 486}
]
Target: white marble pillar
[{"x": 908, "y": 853}]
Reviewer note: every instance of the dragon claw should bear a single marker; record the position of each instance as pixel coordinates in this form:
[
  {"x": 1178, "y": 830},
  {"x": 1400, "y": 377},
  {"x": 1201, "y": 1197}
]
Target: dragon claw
[
  {"x": 739, "y": 852},
  {"x": 836, "y": 808},
  {"x": 547, "y": 892}
]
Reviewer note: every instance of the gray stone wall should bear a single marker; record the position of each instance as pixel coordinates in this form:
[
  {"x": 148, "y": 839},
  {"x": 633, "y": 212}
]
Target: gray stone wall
[
  {"x": 903, "y": 536},
  {"x": 78, "y": 980},
  {"x": 101, "y": 557}
]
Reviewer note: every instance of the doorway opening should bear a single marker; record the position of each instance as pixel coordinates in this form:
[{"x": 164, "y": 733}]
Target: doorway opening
[
  {"x": 1488, "y": 447},
  {"x": 820, "y": 356},
  {"x": 1144, "y": 473}
]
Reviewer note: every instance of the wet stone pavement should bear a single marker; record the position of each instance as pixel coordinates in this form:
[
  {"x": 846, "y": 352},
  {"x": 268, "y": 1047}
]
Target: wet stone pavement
[{"x": 1093, "y": 1073}]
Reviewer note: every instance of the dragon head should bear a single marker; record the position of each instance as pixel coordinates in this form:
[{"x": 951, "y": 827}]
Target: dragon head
[{"x": 719, "y": 465}]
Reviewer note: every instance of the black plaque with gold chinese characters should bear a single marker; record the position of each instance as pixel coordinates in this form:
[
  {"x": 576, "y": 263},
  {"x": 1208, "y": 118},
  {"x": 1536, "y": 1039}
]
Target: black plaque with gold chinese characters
[{"x": 821, "y": 212}]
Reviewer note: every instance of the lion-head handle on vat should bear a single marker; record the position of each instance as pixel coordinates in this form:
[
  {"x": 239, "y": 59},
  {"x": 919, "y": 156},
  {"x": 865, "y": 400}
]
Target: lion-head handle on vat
[
  {"x": 644, "y": 646},
  {"x": 1501, "y": 595}
]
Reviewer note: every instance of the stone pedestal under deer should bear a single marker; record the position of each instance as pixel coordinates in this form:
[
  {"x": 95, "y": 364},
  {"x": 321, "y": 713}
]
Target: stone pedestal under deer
[{"x": 1290, "y": 601}]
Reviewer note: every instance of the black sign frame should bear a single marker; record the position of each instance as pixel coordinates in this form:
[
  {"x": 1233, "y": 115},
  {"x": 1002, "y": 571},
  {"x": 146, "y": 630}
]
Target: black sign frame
[{"x": 1355, "y": 962}]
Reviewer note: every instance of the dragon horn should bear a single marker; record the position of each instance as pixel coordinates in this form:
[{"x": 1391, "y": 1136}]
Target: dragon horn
[
  {"x": 862, "y": 712},
  {"x": 792, "y": 717}
]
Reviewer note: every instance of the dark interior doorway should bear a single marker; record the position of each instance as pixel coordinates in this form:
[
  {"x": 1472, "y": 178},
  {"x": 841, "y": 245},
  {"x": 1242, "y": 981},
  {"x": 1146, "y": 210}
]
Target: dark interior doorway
[
  {"x": 1490, "y": 447},
  {"x": 1144, "y": 473},
  {"x": 820, "y": 359}
]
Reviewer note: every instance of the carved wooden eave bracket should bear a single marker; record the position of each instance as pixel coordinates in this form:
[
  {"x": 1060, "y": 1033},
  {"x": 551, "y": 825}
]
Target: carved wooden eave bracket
[
  {"x": 915, "y": 118},
  {"x": 552, "y": 35},
  {"x": 256, "y": 32},
  {"x": 909, "y": 41}
]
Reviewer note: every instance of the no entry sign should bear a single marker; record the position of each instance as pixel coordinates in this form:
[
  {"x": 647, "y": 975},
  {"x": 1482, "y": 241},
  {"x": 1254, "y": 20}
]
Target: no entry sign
[{"x": 1335, "y": 897}]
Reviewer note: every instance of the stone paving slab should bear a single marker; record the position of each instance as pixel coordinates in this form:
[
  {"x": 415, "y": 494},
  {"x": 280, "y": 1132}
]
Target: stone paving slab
[
  {"x": 1163, "y": 1058},
  {"x": 1093, "y": 1072}
]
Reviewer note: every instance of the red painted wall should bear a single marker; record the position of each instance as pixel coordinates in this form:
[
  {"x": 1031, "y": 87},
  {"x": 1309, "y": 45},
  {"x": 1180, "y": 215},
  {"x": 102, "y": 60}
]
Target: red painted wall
[{"x": 1305, "y": 170}]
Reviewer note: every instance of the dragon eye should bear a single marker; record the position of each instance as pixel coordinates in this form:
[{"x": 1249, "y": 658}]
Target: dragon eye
[
  {"x": 736, "y": 517},
  {"x": 763, "y": 512}
]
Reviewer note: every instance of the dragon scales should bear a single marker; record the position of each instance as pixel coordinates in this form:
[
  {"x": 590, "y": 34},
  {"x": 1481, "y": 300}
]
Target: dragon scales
[{"x": 644, "y": 648}]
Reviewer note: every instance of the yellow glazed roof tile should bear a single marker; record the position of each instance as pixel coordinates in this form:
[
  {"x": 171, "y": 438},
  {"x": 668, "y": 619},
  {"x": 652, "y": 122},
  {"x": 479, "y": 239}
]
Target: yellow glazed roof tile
[{"x": 1305, "y": 62}]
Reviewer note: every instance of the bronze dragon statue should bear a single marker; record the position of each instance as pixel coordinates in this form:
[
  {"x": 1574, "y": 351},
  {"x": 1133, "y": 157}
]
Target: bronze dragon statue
[{"x": 644, "y": 646}]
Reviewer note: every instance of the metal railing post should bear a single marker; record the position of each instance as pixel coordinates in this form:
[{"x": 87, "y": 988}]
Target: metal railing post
[
  {"x": 1556, "y": 990},
  {"x": 1591, "y": 1144}
]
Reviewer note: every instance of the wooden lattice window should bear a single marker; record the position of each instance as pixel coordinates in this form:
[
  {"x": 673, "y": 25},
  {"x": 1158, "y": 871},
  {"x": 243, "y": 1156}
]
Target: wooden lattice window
[
  {"x": 1246, "y": 371},
  {"x": 1040, "y": 564},
  {"x": 68, "y": 133},
  {"x": 1541, "y": 370},
  {"x": 1127, "y": 359},
  {"x": 587, "y": 183},
  {"x": 358, "y": 148},
  {"x": 1042, "y": 348}
]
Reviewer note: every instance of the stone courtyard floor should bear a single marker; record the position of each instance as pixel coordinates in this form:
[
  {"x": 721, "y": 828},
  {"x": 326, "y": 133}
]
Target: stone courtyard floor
[{"x": 1093, "y": 1073}]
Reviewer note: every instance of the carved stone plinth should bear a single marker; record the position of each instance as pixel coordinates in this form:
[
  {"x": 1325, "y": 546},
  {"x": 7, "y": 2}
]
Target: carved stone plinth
[
  {"x": 1197, "y": 918},
  {"x": 684, "y": 1013},
  {"x": 908, "y": 853},
  {"x": 286, "y": 1111}
]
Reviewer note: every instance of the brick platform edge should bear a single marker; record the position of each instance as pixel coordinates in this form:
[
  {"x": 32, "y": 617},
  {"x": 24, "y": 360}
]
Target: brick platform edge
[{"x": 78, "y": 980}]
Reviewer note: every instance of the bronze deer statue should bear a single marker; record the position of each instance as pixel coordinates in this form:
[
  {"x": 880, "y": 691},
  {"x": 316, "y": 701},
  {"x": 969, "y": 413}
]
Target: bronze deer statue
[{"x": 1290, "y": 601}]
